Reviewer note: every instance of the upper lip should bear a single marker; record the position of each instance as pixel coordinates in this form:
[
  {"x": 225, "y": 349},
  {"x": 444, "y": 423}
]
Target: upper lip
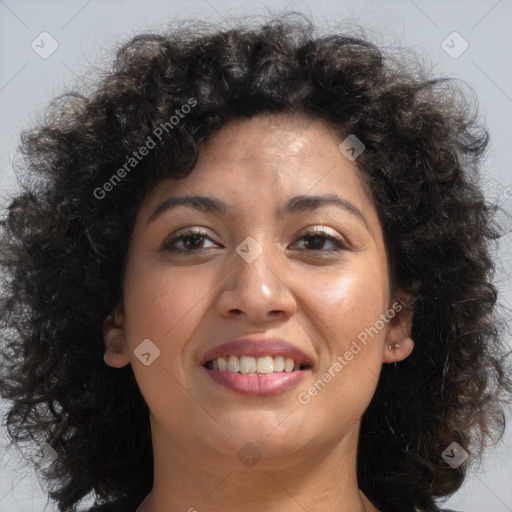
[{"x": 258, "y": 347}]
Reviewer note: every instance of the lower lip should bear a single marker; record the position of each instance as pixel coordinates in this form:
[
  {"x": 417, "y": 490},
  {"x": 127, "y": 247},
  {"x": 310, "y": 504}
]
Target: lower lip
[{"x": 257, "y": 385}]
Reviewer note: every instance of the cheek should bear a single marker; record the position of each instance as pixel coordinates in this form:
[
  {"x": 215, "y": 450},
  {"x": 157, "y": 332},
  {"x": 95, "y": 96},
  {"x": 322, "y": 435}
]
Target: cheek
[
  {"x": 164, "y": 306},
  {"x": 347, "y": 312},
  {"x": 161, "y": 303},
  {"x": 349, "y": 300}
]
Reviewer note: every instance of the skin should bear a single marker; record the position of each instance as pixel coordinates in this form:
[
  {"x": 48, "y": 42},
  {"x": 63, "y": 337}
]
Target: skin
[{"x": 319, "y": 299}]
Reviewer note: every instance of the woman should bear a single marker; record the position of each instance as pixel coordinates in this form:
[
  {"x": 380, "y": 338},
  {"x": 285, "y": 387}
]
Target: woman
[{"x": 252, "y": 272}]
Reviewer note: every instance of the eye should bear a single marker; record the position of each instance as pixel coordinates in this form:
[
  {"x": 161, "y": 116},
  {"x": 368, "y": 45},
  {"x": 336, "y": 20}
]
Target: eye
[
  {"x": 192, "y": 240},
  {"x": 316, "y": 239}
]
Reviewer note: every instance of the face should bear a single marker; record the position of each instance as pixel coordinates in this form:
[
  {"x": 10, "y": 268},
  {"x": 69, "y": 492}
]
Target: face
[{"x": 282, "y": 262}]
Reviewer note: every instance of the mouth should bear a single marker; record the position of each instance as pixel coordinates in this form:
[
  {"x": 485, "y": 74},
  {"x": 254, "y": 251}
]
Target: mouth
[
  {"x": 256, "y": 367},
  {"x": 249, "y": 365}
]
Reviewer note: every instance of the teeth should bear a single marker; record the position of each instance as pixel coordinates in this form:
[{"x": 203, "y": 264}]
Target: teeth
[
  {"x": 233, "y": 364},
  {"x": 222, "y": 363},
  {"x": 265, "y": 364},
  {"x": 278, "y": 363},
  {"x": 248, "y": 364}
]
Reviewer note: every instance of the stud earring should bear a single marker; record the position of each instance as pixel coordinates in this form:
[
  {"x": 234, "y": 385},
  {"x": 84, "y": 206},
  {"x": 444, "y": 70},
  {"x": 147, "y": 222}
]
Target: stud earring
[{"x": 395, "y": 346}]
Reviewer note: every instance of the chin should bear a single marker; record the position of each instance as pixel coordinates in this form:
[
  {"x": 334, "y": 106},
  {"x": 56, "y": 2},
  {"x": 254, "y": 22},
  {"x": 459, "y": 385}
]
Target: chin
[{"x": 274, "y": 436}]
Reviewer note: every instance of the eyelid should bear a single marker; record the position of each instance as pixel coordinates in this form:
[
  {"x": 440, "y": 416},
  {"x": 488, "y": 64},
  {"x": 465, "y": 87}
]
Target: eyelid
[
  {"x": 188, "y": 231},
  {"x": 327, "y": 232},
  {"x": 321, "y": 229}
]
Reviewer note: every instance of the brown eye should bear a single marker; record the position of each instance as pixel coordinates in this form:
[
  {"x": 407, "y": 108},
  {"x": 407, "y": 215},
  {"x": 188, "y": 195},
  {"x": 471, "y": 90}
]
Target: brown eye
[
  {"x": 190, "y": 241},
  {"x": 315, "y": 240}
]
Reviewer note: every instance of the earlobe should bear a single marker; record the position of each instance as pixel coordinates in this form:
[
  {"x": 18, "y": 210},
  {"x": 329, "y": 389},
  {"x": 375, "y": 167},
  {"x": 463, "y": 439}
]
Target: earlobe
[
  {"x": 399, "y": 343},
  {"x": 114, "y": 336},
  {"x": 397, "y": 351}
]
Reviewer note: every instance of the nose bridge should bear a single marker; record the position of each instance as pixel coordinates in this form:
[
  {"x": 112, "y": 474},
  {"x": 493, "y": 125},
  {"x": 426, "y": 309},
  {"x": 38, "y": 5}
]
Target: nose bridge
[
  {"x": 253, "y": 268},
  {"x": 254, "y": 287}
]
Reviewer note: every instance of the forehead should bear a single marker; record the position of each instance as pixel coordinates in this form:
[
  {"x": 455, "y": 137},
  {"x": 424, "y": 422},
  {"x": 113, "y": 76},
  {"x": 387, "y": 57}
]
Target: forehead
[{"x": 270, "y": 158}]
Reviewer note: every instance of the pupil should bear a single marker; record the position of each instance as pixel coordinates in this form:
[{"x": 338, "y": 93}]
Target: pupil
[
  {"x": 195, "y": 244},
  {"x": 317, "y": 241}
]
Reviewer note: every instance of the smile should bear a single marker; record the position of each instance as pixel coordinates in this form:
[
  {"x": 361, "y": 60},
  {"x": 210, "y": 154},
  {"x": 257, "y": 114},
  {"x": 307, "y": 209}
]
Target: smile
[
  {"x": 254, "y": 365},
  {"x": 257, "y": 384}
]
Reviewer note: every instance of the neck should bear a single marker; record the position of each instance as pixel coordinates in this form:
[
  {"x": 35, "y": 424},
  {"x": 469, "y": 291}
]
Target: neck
[{"x": 325, "y": 481}]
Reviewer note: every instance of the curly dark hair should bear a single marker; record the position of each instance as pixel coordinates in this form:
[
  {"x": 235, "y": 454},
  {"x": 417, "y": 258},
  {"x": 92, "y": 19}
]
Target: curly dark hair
[{"x": 63, "y": 248}]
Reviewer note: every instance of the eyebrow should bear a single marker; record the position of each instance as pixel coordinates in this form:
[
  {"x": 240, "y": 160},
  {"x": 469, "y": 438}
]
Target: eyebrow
[{"x": 295, "y": 205}]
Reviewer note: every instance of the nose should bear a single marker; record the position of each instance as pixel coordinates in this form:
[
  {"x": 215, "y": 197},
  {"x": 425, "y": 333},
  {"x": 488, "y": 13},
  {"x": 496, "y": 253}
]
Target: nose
[{"x": 259, "y": 290}]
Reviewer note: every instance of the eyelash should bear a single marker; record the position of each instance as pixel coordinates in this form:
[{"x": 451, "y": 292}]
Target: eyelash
[{"x": 191, "y": 233}]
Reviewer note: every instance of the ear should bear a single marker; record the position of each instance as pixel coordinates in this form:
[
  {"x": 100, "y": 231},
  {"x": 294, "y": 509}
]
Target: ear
[
  {"x": 114, "y": 336},
  {"x": 399, "y": 343}
]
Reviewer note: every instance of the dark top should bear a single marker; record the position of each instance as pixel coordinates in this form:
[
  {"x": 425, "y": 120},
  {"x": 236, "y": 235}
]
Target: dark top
[{"x": 130, "y": 505}]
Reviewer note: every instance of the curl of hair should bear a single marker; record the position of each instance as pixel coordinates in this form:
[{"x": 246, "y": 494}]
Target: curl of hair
[{"x": 62, "y": 248}]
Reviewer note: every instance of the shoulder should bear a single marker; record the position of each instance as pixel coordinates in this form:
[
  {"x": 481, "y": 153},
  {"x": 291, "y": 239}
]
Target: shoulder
[
  {"x": 129, "y": 505},
  {"x": 111, "y": 507},
  {"x": 417, "y": 509},
  {"x": 123, "y": 505}
]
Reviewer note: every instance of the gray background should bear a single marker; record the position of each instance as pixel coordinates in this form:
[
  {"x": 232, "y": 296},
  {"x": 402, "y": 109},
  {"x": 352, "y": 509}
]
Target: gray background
[{"x": 85, "y": 32}]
